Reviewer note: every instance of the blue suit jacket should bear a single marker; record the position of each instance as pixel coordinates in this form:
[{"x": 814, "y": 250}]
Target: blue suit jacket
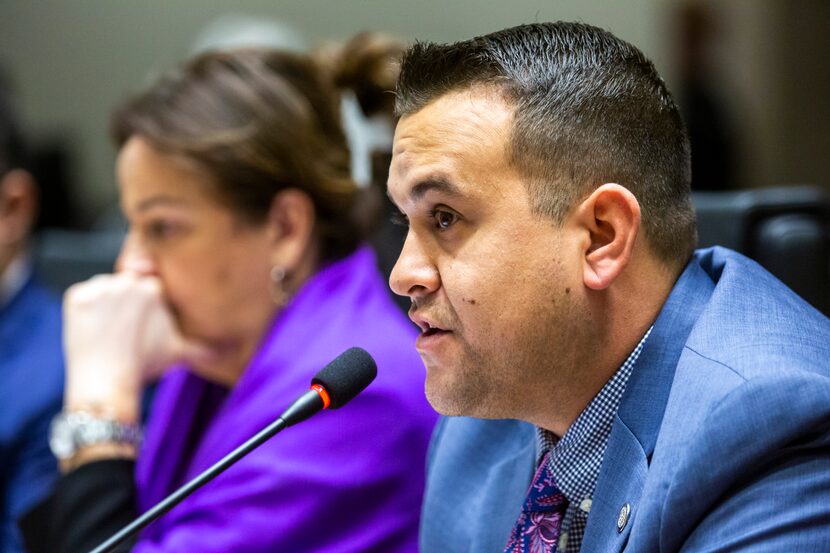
[
  {"x": 721, "y": 442},
  {"x": 31, "y": 392}
]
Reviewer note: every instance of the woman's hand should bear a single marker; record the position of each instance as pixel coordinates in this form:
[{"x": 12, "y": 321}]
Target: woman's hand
[{"x": 118, "y": 333}]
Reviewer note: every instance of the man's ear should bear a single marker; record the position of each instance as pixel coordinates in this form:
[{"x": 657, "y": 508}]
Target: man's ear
[
  {"x": 611, "y": 218},
  {"x": 18, "y": 206},
  {"x": 291, "y": 229}
]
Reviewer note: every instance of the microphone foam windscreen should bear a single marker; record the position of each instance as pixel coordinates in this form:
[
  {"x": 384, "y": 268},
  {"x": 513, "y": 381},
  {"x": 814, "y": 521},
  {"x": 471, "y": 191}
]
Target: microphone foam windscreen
[{"x": 346, "y": 376}]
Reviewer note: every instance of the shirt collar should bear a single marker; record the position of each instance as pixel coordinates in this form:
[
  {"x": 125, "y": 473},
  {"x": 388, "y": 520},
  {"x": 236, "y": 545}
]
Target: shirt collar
[
  {"x": 575, "y": 459},
  {"x": 14, "y": 278}
]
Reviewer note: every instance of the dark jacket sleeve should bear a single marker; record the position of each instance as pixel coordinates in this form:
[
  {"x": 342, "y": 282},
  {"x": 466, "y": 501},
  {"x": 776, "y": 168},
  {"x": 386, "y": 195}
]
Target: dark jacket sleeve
[{"x": 85, "y": 508}]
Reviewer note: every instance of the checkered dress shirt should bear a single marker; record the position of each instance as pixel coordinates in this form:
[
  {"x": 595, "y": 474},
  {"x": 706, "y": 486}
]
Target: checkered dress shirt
[{"x": 576, "y": 458}]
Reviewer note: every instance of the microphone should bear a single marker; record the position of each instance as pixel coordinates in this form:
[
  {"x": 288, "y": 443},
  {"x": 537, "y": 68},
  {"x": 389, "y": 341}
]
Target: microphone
[{"x": 332, "y": 387}]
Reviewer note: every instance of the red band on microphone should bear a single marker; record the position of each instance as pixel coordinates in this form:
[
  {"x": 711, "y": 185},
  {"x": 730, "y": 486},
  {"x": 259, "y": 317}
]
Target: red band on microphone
[{"x": 324, "y": 395}]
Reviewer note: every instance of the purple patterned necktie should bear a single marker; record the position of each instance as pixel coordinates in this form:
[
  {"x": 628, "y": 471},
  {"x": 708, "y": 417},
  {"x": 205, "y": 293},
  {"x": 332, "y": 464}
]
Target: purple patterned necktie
[{"x": 537, "y": 530}]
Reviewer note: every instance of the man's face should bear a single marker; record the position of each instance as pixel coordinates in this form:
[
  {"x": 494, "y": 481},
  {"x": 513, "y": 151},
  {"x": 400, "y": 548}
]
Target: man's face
[{"x": 493, "y": 284}]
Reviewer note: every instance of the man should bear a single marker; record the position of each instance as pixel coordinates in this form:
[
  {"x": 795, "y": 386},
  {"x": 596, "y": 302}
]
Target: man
[
  {"x": 31, "y": 366},
  {"x": 656, "y": 398}
]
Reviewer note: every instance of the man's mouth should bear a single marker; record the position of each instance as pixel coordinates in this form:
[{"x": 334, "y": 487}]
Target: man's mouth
[
  {"x": 431, "y": 338},
  {"x": 431, "y": 331},
  {"x": 426, "y": 325},
  {"x": 427, "y": 328}
]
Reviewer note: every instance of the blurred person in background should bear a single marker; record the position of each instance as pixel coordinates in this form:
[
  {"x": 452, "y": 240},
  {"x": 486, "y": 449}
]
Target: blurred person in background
[
  {"x": 364, "y": 71},
  {"x": 31, "y": 365},
  {"x": 706, "y": 116},
  {"x": 242, "y": 274}
]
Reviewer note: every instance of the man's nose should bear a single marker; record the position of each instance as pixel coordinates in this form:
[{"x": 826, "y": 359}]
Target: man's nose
[
  {"x": 134, "y": 257},
  {"x": 414, "y": 274}
]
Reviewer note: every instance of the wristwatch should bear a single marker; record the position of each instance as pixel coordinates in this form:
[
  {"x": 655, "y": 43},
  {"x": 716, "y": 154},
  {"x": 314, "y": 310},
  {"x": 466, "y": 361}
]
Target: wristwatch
[{"x": 70, "y": 431}]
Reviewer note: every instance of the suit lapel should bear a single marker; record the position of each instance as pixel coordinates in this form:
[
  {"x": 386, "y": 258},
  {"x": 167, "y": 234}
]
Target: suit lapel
[
  {"x": 507, "y": 486},
  {"x": 637, "y": 424}
]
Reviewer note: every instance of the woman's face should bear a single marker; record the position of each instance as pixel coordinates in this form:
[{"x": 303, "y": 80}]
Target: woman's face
[{"x": 214, "y": 267}]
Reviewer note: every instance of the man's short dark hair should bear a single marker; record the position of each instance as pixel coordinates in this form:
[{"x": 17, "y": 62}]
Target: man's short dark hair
[{"x": 589, "y": 109}]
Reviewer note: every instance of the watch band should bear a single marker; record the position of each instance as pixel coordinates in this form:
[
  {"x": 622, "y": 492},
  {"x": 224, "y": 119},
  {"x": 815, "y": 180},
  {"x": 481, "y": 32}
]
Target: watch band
[{"x": 71, "y": 431}]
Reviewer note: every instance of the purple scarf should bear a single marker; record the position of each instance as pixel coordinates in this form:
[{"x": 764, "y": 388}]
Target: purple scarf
[{"x": 347, "y": 480}]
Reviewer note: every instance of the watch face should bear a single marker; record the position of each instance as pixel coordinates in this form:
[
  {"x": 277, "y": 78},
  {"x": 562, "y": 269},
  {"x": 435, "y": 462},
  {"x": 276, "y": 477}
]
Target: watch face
[
  {"x": 60, "y": 438},
  {"x": 78, "y": 429}
]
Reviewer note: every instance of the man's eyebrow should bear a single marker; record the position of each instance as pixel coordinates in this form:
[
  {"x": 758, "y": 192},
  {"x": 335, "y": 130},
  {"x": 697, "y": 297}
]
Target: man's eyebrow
[{"x": 435, "y": 183}]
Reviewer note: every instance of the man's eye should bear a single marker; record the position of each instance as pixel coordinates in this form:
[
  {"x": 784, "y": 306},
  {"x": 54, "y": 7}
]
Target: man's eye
[{"x": 444, "y": 219}]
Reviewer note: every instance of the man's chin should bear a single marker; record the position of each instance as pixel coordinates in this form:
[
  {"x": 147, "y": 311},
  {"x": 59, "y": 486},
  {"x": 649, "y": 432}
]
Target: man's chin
[
  {"x": 440, "y": 393},
  {"x": 453, "y": 399},
  {"x": 445, "y": 407}
]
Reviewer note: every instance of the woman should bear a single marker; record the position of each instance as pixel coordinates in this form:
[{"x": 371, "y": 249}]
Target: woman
[{"x": 243, "y": 266}]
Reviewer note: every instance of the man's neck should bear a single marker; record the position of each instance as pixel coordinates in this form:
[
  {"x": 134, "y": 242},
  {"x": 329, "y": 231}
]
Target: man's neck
[{"x": 619, "y": 316}]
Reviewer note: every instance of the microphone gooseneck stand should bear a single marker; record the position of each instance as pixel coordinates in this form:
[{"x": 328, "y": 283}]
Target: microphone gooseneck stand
[
  {"x": 333, "y": 386},
  {"x": 307, "y": 405}
]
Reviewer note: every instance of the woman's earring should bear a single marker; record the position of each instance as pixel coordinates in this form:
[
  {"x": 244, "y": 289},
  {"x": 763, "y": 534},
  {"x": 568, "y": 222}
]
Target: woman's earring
[{"x": 279, "y": 294}]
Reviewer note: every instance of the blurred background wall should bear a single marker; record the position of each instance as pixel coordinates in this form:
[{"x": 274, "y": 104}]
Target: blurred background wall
[{"x": 765, "y": 66}]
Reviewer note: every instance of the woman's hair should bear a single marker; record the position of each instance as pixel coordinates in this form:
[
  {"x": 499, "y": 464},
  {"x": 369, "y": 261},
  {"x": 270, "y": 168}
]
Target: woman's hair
[
  {"x": 369, "y": 65},
  {"x": 258, "y": 121}
]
